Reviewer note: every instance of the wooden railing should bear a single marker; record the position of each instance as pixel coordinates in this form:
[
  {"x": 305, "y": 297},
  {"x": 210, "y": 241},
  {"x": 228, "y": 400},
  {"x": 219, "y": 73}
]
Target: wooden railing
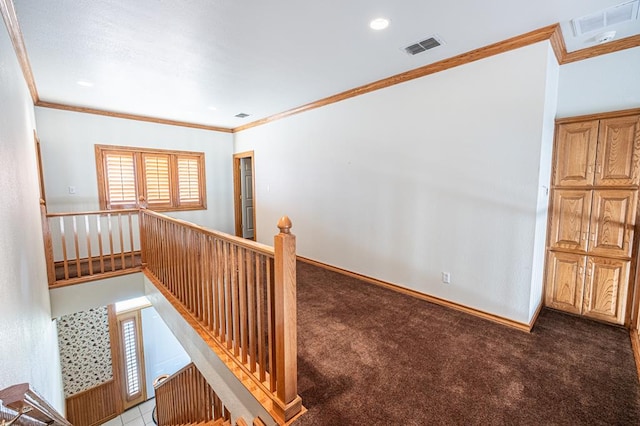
[
  {"x": 186, "y": 397},
  {"x": 27, "y": 402},
  {"x": 94, "y": 406},
  {"x": 83, "y": 246},
  {"x": 238, "y": 294}
]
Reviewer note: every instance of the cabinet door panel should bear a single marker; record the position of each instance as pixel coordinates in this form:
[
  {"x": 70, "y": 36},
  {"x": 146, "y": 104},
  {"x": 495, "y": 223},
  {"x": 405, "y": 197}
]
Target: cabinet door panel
[
  {"x": 618, "y": 156},
  {"x": 570, "y": 219},
  {"x": 605, "y": 294},
  {"x": 565, "y": 281},
  {"x": 612, "y": 222},
  {"x": 575, "y": 153}
]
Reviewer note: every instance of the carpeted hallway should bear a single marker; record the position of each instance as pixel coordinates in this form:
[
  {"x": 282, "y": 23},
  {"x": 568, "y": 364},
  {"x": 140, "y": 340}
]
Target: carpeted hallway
[{"x": 372, "y": 356}]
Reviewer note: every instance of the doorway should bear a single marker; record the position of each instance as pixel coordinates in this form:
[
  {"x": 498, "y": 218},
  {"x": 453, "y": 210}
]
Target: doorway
[{"x": 244, "y": 194}]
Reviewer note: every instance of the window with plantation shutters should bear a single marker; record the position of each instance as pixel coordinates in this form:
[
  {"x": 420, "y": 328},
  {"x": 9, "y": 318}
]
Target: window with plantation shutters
[{"x": 157, "y": 179}]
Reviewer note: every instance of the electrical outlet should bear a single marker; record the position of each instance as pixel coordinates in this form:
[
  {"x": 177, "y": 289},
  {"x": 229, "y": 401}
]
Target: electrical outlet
[
  {"x": 446, "y": 277},
  {"x": 72, "y": 190}
]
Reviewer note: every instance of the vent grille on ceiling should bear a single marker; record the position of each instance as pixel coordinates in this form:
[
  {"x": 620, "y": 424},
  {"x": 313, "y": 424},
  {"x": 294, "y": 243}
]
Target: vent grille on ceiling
[
  {"x": 614, "y": 15},
  {"x": 423, "y": 45}
]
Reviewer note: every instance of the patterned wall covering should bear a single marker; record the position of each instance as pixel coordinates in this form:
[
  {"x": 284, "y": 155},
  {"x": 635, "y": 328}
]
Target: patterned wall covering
[{"x": 85, "y": 350}]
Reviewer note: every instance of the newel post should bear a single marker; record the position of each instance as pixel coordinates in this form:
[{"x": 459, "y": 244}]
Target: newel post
[{"x": 290, "y": 403}]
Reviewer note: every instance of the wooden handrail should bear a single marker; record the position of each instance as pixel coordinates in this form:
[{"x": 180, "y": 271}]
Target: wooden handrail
[
  {"x": 185, "y": 397},
  {"x": 93, "y": 212},
  {"x": 21, "y": 398},
  {"x": 241, "y": 294}
]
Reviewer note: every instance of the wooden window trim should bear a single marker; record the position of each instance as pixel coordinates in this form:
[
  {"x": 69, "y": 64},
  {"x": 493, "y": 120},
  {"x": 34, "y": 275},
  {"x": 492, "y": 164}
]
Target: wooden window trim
[{"x": 140, "y": 185}]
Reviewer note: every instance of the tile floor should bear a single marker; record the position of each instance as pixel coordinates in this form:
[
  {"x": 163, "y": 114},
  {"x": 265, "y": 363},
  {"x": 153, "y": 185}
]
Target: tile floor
[{"x": 140, "y": 415}]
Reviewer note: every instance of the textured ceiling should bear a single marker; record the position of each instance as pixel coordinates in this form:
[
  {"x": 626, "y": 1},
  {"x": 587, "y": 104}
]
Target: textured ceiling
[{"x": 180, "y": 59}]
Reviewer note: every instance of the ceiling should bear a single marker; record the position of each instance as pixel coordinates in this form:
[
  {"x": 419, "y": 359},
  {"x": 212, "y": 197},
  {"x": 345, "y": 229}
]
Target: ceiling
[{"x": 204, "y": 61}]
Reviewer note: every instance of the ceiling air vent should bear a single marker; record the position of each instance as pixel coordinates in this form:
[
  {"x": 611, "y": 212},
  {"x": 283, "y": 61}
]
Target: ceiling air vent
[
  {"x": 624, "y": 12},
  {"x": 423, "y": 45}
]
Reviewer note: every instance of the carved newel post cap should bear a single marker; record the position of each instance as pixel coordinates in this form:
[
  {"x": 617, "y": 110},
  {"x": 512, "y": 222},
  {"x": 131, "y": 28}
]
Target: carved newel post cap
[{"x": 284, "y": 224}]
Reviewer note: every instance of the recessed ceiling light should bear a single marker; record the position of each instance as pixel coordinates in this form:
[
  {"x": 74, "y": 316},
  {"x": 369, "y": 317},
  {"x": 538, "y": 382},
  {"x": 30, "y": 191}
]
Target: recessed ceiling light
[
  {"x": 379, "y": 24},
  {"x": 84, "y": 83},
  {"x": 212, "y": 108}
]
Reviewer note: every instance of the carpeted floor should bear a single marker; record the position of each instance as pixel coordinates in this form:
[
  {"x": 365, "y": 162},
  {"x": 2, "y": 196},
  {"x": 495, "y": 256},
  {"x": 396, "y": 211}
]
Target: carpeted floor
[{"x": 372, "y": 356}]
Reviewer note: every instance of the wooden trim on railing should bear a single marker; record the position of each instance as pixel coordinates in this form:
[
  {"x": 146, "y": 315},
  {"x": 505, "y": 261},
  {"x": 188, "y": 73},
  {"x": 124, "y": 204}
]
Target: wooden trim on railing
[
  {"x": 135, "y": 117},
  {"x": 242, "y": 242},
  {"x": 526, "y": 327},
  {"x": 95, "y": 277},
  {"x": 93, "y": 406},
  {"x": 8, "y": 12},
  {"x": 94, "y": 212},
  {"x": 21, "y": 396}
]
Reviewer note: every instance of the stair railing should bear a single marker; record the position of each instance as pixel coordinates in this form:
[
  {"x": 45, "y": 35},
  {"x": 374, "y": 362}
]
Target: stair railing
[
  {"x": 28, "y": 403},
  {"x": 238, "y": 294},
  {"x": 185, "y": 397}
]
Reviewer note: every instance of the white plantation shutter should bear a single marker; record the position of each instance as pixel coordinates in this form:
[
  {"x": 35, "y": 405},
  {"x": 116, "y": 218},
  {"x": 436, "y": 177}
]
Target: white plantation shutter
[
  {"x": 157, "y": 179},
  {"x": 131, "y": 362},
  {"x": 188, "y": 180},
  {"x": 120, "y": 179},
  {"x": 167, "y": 180}
]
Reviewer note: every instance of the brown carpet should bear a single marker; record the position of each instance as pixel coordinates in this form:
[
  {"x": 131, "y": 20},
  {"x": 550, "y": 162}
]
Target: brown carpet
[{"x": 372, "y": 356}]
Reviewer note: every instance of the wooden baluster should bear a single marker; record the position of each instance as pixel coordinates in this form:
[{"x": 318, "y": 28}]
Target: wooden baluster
[
  {"x": 76, "y": 245},
  {"x": 260, "y": 316},
  {"x": 271, "y": 325},
  {"x": 65, "y": 261},
  {"x": 235, "y": 301},
  {"x": 131, "y": 240},
  {"x": 226, "y": 294},
  {"x": 122, "y": 258},
  {"x": 100, "y": 248},
  {"x": 87, "y": 230},
  {"x": 285, "y": 320},
  {"x": 242, "y": 305},
  {"x": 252, "y": 308},
  {"x": 111, "y": 255}
]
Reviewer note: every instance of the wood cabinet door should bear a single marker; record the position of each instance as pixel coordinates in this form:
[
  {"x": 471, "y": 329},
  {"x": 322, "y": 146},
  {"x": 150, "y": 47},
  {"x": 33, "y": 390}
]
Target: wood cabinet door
[
  {"x": 575, "y": 153},
  {"x": 565, "y": 281},
  {"x": 613, "y": 217},
  {"x": 605, "y": 294},
  {"x": 570, "y": 219},
  {"x": 618, "y": 156}
]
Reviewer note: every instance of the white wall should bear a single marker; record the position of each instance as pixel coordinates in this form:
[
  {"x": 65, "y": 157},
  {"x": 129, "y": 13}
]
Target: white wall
[
  {"x": 437, "y": 174},
  {"x": 68, "y": 140},
  {"x": 163, "y": 354},
  {"x": 604, "y": 83},
  {"x": 29, "y": 340},
  {"x": 546, "y": 154},
  {"x": 82, "y": 297}
]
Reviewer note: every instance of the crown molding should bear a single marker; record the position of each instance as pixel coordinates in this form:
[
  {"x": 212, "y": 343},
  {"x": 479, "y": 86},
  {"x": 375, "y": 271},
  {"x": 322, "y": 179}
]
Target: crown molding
[
  {"x": 126, "y": 116},
  {"x": 8, "y": 12}
]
